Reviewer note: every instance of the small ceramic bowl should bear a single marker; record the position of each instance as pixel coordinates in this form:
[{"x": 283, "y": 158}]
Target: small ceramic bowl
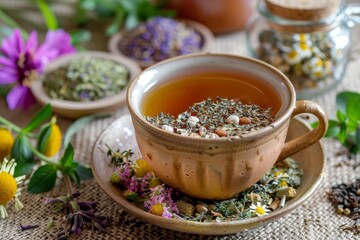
[
  {"x": 76, "y": 109},
  {"x": 205, "y": 33}
]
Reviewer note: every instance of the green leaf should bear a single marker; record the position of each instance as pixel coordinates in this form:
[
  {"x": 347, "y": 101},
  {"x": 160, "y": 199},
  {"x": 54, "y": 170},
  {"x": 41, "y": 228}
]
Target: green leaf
[
  {"x": 80, "y": 124},
  {"x": 340, "y": 116},
  {"x": 43, "y": 179},
  {"x": 80, "y": 36},
  {"x": 48, "y": 15},
  {"x": 40, "y": 117},
  {"x": 11, "y": 23},
  {"x": 131, "y": 21},
  {"x": 333, "y": 129},
  {"x": 23, "y": 155},
  {"x": 84, "y": 172},
  {"x": 342, "y": 134},
  {"x": 75, "y": 177},
  {"x": 344, "y": 98},
  {"x": 4, "y": 90},
  {"x": 353, "y": 109},
  {"x": 357, "y": 139},
  {"x": 68, "y": 157},
  {"x": 116, "y": 24},
  {"x": 352, "y": 125},
  {"x": 44, "y": 135},
  {"x": 88, "y": 5}
]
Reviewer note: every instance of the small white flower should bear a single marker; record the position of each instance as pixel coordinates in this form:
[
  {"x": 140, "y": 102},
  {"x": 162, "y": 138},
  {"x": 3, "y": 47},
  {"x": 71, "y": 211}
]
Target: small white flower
[
  {"x": 259, "y": 209},
  {"x": 293, "y": 57}
]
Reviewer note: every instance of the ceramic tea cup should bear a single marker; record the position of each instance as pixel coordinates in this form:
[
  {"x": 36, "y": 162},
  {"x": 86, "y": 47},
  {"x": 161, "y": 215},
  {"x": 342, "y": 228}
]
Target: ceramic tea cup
[{"x": 219, "y": 168}]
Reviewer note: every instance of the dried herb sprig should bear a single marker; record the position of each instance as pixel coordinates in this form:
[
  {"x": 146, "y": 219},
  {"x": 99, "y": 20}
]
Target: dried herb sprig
[{"x": 79, "y": 214}]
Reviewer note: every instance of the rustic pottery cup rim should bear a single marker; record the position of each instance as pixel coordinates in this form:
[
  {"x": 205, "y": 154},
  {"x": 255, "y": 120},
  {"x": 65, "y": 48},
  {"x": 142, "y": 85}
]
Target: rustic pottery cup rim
[
  {"x": 280, "y": 118},
  {"x": 205, "y": 32},
  {"x": 75, "y": 109}
]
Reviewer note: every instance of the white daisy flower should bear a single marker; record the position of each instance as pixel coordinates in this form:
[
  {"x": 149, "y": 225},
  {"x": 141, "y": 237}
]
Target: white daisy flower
[
  {"x": 9, "y": 187},
  {"x": 259, "y": 209},
  {"x": 293, "y": 57}
]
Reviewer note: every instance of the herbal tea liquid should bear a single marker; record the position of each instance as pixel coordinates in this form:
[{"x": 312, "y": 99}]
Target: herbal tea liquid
[{"x": 176, "y": 95}]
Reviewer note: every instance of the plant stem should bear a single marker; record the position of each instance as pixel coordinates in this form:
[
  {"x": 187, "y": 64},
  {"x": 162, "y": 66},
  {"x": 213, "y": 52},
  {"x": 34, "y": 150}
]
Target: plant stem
[
  {"x": 41, "y": 156},
  {"x": 11, "y": 23},
  {"x": 68, "y": 184},
  {"x": 15, "y": 127},
  {"x": 9, "y": 124}
]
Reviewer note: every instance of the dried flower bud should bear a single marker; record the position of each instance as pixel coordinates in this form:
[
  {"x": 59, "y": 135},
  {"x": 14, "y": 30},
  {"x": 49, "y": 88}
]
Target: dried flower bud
[
  {"x": 154, "y": 182},
  {"x": 49, "y": 141},
  {"x": 167, "y": 128},
  {"x": 115, "y": 178},
  {"x": 157, "y": 209},
  {"x": 131, "y": 196},
  {"x": 201, "y": 208},
  {"x": 185, "y": 208},
  {"x": 192, "y": 121},
  {"x": 220, "y": 132},
  {"x": 6, "y": 142},
  {"x": 289, "y": 192},
  {"x": 202, "y": 131},
  {"x": 245, "y": 120},
  {"x": 195, "y": 135},
  {"x": 233, "y": 119},
  {"x": 213, "y": 135},
  {"x": 141, "y": 168},
  {"x": 347, "y": 211}
]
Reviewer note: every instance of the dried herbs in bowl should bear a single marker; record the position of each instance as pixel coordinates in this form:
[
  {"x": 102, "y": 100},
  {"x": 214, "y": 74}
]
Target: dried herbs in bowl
[
  {"x": 85, "y": 83},
  {"x": 86, "y": 79},
  {"x": 161, "y": 38}
]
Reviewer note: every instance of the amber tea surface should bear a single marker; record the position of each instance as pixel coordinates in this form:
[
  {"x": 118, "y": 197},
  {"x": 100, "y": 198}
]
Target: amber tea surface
[{"x": 179, "y": 93}]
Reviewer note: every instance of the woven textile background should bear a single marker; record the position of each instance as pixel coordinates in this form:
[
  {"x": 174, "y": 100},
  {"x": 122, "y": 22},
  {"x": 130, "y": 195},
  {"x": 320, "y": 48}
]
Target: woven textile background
[{"x": 315, "y": 219}]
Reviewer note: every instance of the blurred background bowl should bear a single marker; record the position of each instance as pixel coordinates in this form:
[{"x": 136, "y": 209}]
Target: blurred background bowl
[
  {"x": 76, "y": 109},
  {"x": 206, "y": 35}
]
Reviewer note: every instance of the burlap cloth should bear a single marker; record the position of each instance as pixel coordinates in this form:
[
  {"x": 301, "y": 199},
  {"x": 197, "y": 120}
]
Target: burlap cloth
[{"x": 315, "y": 219}]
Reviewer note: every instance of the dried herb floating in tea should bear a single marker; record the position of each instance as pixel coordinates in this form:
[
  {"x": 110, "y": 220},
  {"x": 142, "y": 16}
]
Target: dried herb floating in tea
[
  {"x": 86, "y": 79},
  {"x": 212, "y": 119}
]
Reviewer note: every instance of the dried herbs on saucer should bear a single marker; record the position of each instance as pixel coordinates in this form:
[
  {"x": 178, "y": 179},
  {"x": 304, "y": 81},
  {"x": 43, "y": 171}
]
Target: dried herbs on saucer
[{"x": 141, "y": 186}]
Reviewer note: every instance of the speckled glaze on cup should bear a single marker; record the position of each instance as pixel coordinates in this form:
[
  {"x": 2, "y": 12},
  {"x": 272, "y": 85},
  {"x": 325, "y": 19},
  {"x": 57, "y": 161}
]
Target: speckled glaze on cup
[{"x": 223, "y": 167}]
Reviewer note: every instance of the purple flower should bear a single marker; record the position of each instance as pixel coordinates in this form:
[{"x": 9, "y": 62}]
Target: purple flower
[
  {"x": 22, "y": 62},
  {"x": 162, "y": 195}
]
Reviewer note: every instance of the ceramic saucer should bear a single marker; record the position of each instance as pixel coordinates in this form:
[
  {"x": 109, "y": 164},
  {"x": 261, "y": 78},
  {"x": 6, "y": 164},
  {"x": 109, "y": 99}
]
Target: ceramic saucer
[{"x": 120, "y": 135}]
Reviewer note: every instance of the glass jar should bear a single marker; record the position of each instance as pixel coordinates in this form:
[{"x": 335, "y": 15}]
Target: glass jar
[{"x": 311, "y": 47}]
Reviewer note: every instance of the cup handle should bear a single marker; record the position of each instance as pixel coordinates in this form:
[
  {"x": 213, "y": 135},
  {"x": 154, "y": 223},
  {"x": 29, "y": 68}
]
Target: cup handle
[{"x": 305, "y": 140}]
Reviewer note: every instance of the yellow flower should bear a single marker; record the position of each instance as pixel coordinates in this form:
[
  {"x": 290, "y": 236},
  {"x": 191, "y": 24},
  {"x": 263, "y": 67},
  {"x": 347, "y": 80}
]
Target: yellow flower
[
  {"x": 53, "y": 143},
  {"x": 259, "y": 209},
  {"x": 157, "y": 209},
  {"x": 141, "y": 168},
  {"x": 6, "y": 142},
  {"x": 9, "y": 187},
  {"x": 154, "y": 182}
]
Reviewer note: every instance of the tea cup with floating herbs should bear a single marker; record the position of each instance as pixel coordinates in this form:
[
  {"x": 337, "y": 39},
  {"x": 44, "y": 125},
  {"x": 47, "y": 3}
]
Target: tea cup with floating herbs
[
  {"x": 85, "y": 83},
  {"x": 211, "y": 125}
]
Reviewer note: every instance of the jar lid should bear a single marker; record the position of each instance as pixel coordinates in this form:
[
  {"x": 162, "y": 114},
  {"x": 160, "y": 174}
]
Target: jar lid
[{"x": 304, "y": 10}]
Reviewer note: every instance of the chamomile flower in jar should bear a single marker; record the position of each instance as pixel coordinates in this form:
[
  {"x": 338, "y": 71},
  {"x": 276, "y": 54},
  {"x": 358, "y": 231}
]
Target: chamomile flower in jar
[{"x": 302, "y": 33}]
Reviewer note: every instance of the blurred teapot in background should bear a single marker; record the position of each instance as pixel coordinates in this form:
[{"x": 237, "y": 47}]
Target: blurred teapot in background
[{"x": 221, "y": 16}]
